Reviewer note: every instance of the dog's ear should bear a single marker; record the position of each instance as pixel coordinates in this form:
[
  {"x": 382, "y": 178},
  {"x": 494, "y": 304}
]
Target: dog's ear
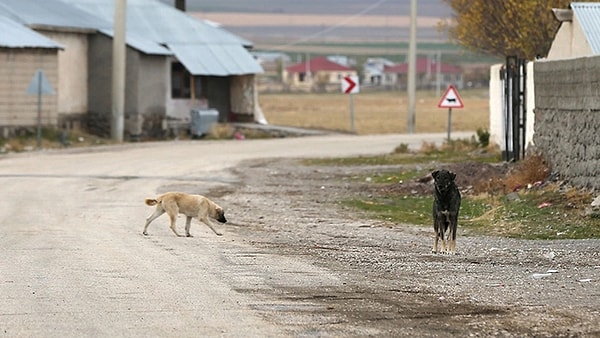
[
  {"x": 453, "y": 175},
  {"x": 435, "y": 173}
]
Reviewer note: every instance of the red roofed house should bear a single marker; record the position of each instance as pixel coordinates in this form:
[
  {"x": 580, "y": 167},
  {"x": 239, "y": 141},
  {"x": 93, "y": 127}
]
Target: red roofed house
[
  {"x": 397, "y": 75},
  {"x": 318, "y": 74}
]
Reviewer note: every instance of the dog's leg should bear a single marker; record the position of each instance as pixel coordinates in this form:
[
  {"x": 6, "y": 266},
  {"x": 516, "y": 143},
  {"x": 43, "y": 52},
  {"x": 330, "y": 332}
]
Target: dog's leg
[
  {"x": 207, "y": 221},
  {"x": 173, "y": 217},
  {"x": 438, "y": 227},
  {"x": 447, "y": 248},
  {"x": 452, "y": 237},
  {"x": 188, "y": 224},
  {"x": 157, "y": 212},
  {"x": 443, "y": 238}
]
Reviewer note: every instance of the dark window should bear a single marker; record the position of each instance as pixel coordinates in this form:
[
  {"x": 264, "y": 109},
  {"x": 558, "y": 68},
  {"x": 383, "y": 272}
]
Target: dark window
[{"x": 180, "y": 82}]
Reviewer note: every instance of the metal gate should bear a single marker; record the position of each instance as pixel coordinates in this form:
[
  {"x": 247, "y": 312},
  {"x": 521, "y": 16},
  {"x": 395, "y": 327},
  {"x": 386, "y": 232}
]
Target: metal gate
[{"x": 514, "y": 76}]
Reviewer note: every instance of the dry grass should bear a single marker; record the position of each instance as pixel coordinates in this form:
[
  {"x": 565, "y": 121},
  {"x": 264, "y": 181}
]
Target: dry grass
[
  {"x": 533, "y": 168},
  {"x": 375, "y": 112}
]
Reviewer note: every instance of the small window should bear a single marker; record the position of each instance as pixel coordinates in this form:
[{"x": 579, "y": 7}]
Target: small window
[{"x": 180, "y": 82}]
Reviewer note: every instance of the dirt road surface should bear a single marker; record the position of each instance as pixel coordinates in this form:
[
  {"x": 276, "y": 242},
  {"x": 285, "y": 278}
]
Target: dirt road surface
[{"x": 292, "y": 261}]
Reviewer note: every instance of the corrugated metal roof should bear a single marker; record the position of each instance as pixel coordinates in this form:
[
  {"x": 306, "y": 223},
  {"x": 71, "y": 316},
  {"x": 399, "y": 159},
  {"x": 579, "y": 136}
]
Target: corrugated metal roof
[
  {"x": 58, "y": 14},
  {"x": 216, "y": 60},
  {"x": 207, "y": 50},
  {"x": 143, "y": 45},
  {"x": 588, "y": 14},
  {"x": 15, "y": 35},
  {"x": 51, "y": 13},
  {"x": 201, "y": 47}
]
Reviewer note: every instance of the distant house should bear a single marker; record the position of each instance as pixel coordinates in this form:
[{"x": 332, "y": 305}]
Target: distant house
[
  {"x": 427, "y": 70},
  {"x": 373, "y": 70},
  {"x": 318, "y": 74},
  {"x": 175, "y": 63},
  {"x": 578, "y": 34}
]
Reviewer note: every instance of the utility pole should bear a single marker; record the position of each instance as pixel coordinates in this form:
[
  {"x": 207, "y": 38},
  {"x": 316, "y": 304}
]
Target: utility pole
[
  {"x": 412, "y": 68},
  {"x": 118, "y": 72},
  {"x": 438, "y": 73},
  {"x": 180, "y": 5}
]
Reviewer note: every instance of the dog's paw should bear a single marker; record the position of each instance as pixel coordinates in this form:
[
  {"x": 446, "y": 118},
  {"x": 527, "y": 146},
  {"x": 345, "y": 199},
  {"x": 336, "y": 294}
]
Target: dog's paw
[
  {"x": 188, "y": 235},
  {"x": 145, "y": 233}
]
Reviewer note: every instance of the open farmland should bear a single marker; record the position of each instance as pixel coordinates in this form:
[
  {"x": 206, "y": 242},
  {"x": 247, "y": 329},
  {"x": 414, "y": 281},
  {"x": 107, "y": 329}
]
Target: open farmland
[
  {"x": 284, "y": 32},
  {"x": 375, "y": 112}
]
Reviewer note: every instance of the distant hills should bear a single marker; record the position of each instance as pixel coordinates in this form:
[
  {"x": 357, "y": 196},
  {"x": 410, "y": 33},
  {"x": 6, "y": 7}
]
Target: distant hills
[
  {"x": 431, "y": 8},
  {"x": 294, "y": 25}
]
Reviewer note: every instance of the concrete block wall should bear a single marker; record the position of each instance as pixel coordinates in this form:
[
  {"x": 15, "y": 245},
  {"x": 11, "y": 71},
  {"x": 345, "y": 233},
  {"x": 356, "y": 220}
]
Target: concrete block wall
[
  {"x": 17, "y": 69},
  {"x": 567, "y": 118}
]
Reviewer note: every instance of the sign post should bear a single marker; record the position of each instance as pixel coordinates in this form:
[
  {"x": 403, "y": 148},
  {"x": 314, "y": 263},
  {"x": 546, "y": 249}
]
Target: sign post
[
  {"x": 39, "y": 85},
  {"x": 450, "y": 100},
  {"x": 350, "y": 86}
]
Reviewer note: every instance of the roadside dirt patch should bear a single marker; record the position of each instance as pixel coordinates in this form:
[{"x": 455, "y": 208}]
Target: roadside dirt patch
[
  {"x": 384, "y": 281},
  {"x": 471, "y": 177}
]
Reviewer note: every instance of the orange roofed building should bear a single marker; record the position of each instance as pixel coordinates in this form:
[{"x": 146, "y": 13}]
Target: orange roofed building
[{"x": 318, "y": 74}]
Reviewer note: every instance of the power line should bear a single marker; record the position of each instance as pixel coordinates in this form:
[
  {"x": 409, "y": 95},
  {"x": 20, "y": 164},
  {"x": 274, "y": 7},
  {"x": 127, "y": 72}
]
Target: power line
[{"x": 331, "y": 28}]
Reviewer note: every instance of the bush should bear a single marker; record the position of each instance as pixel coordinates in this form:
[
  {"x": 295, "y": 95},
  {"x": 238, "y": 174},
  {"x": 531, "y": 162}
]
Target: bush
[{"x": 484, "y": 137}]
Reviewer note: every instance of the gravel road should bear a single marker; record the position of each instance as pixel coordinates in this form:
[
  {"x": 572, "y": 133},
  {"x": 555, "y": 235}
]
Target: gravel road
[{"x": 292, "y": 262}]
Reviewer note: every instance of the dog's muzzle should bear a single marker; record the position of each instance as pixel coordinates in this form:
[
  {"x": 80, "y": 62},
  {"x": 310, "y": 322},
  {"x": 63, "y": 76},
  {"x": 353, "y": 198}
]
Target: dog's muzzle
[{"x": 222, "y": 219}]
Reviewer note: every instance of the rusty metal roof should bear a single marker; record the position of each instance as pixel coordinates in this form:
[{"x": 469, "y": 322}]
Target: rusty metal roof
[{"x": 588, "y": 14}]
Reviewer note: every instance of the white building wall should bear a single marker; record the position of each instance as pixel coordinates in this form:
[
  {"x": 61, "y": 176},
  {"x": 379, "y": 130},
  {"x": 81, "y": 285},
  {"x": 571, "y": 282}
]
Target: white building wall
[
  {"x": 72, "y": 71},
  {"x": 569, "y": 42},
  {"x": 496, "y": 106},
  {"x": 497, "y": 102}
]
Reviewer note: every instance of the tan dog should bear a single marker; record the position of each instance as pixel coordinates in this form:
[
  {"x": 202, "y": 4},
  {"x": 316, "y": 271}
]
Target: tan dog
[{"x": 174, "y": 203}]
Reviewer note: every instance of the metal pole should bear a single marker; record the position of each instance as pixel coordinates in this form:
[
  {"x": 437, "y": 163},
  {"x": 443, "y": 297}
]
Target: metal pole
[
  {"x": 39, "y": 117},
  {"x": 412, "y": 68},
  {"x": 118, "y": 72},
  {"x": 438, "y": 74},
  {"x": 449, "y": 123},
  {"x": 352, "y": 113}
]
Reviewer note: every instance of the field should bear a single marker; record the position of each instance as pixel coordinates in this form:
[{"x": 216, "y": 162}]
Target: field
[{"x": 375, "y": 112}]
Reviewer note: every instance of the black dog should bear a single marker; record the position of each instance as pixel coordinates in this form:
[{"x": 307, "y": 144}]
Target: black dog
[{"x": 446, "y": 204}]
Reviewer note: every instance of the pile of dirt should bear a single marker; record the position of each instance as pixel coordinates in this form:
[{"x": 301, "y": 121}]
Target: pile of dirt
[{"x": 471, "y": 177}]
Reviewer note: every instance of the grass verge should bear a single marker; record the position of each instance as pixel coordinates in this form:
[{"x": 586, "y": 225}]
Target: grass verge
[{"x": 523, "y": 203}]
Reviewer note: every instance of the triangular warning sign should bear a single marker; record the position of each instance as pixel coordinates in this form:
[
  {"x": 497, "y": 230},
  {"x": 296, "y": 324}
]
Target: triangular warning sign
[
  {"x": 451, "y": 99},
  {"x": 39, "y": 84}
]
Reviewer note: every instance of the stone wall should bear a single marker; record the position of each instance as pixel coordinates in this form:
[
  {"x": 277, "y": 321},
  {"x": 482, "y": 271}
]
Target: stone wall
[{"x": 567, "y": 118}]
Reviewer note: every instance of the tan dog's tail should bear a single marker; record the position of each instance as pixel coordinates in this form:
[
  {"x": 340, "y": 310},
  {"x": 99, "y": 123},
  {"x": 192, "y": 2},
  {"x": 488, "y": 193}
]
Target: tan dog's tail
[{"x": 151, "y": 201}]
